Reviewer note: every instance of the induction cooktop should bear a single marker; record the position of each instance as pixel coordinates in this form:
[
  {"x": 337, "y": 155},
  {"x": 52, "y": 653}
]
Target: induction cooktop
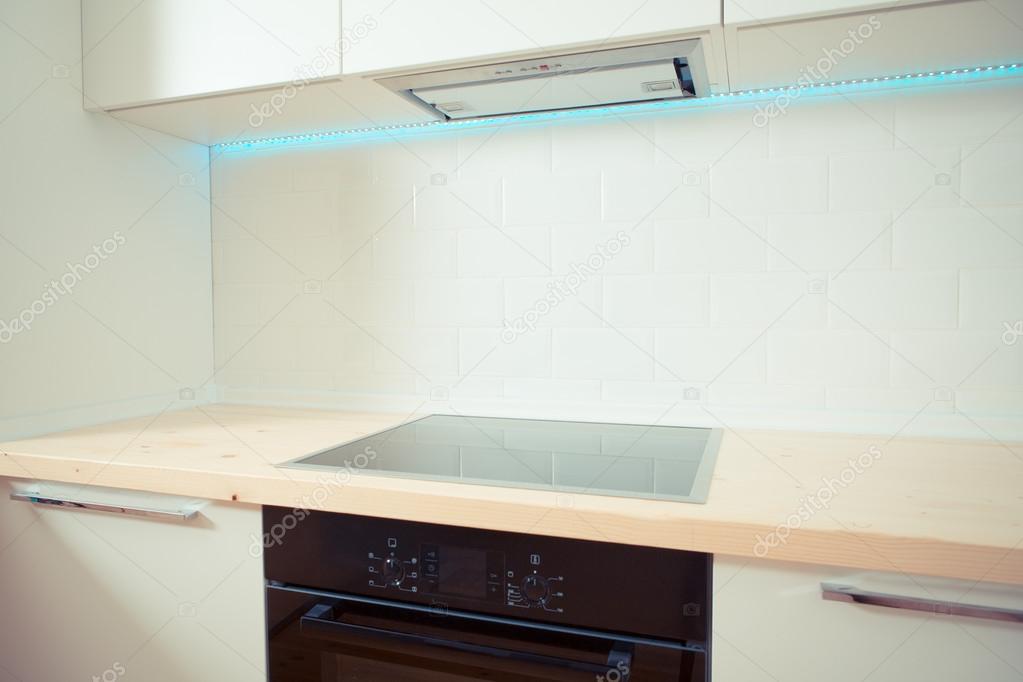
[{"x": 625, "y": 460}]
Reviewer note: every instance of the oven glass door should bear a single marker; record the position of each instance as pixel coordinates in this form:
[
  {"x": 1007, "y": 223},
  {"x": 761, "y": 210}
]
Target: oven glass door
[{"x": 319, "y": 637}]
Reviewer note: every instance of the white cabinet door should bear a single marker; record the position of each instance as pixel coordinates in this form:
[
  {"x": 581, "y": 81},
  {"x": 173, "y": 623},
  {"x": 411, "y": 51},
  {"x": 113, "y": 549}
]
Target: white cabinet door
[
  {"x": 381, "y": 34},
  {"x": 770, "y": 623},
  {"x": 776, "y": 49},
  {"x": 93, "y": 595},
  {"x": 139, "y": 52}
]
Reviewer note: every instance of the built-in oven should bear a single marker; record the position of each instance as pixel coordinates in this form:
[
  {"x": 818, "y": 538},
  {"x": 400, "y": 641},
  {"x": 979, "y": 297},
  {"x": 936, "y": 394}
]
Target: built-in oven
[{"x": 358, "y": 598}]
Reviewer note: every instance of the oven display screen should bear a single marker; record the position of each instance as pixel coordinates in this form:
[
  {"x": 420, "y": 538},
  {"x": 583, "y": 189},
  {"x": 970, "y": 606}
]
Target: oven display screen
[{"x": 463, "y": 572}]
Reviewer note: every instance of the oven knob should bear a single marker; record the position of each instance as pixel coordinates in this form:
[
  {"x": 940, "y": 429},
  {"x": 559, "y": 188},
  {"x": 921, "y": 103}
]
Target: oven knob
[
  {"x": 534, "y": 588},
  {"x": 394, "y": 571}
]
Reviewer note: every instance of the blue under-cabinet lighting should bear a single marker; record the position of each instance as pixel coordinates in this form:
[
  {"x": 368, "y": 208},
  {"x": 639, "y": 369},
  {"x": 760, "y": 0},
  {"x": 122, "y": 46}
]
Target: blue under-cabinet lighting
[{"x": 822, "y": 88}]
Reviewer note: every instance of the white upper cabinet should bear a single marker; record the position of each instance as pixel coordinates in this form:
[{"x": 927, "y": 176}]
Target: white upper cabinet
[
  {"x": 772, "y": 43},
  {"x": 157, "y": 50},
  {"x": 382, "y": 35},
  {"x": 760, "y": 11}
]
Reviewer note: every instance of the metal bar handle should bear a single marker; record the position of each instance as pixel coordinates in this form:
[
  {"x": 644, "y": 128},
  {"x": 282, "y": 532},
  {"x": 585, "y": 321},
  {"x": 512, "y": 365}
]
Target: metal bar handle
[
  {"x": 64, "y": 503},
  {"x": 320, "y": 621},
  {"x": 849, "y": 593}
]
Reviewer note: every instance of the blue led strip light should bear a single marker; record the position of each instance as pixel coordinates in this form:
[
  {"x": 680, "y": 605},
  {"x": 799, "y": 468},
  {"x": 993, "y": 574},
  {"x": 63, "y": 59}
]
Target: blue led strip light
[{"x": 827, "y": 87}]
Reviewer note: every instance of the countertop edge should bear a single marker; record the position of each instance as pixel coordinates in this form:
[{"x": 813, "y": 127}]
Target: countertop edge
[{"x": 374, "y": 496}]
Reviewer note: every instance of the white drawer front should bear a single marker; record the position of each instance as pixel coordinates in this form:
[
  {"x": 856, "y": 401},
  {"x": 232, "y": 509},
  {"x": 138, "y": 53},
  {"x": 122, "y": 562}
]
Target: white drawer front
[{"x": 770, "y": 623}]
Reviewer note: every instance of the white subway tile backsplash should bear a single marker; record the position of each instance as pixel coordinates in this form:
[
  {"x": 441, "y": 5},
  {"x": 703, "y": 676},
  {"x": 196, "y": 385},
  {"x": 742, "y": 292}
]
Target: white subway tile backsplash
[
  {"x": 603, "y": 353},
  {"x": 373, "y": 302},
  {"x": 412, "y": 159},
  {"x": 710, "y": 355},
  {"x": 560, "y": 301},
  {"x": 824, "y": 358},
  {"x": 375, "y": 383},
  {"x": 329, "y": 169},
  {"x": 896, "y": 180},
  {"x": 609, "y": 248},
  {"x": 451, "y": 387},
  {"x": 450, "y": 202},
  {"x": 767, "y": 299},
  {"x": 507, "y": 251},
  {"x": 950, "y": 360},
  {"x": 640, "y": 195},
  {"x": 565, "y": 390},
  {"x": 305, "y": 310},
  {"x": 484, "y": 352},
  {"x": 627, "y": 139},
  {"x": 412, "y": 253},
  {"x": 709, "y": 136},
  {"x": 728, "y": 244},
  {"x": 852, "y": 255},
  {"x": 551, "y": 198},
  {"x": 887, "y": 399},
  {"x": 777, "y": 185},
  {"x": 319, "y": 258},
  {"x": 959, "y": 238},
  {"x": 417, "y": 350},
  {"x": 261, "y": 216},
  {"x": 991, "y": 173},
  {"x": 929, "y": 117},
  {"x": 655, "y": 301},
  {"x": 368, "y": 210},
  {"x": 990, "y": 299},
  {"x": 764, "y": 396},
  {"x": 251, "y": 173},
  {"x": 504, "y": 150},
  {"x": 235, "y": 304},
  {"x": 808, "y": 126},
  {"x": 658, "y": 392},
  {"x": 879, "y": 300},
  {"x": 251, "y": 261},
  {"x": 830, "y": 242},
  {"x": 302, "y": 380},
  {"x": 989, "y": 401},
  {"x": 469, "y": 302}
]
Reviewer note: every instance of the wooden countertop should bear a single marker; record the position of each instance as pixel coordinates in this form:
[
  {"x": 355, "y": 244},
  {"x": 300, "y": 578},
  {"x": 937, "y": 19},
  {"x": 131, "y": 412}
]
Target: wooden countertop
[{"x": 940, "y": 507}]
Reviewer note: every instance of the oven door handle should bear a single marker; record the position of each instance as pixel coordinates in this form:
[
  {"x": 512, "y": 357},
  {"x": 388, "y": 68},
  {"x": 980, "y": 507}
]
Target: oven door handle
[{"x": 317, "y": 622}]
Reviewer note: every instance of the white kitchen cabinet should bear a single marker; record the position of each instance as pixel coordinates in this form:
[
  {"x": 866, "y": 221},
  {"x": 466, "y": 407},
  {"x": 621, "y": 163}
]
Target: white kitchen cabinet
[
  {"x": 93, "y": 595},
  {"x": 382, "y": 35},
  {"x": 759, "y": 11},
  {"x": 802, "y": 41},
  {"x": 143, "y": 52},
  {"x": 770, "y": 623}
]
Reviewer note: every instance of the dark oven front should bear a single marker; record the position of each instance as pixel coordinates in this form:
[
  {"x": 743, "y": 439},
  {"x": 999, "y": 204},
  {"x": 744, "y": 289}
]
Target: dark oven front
[{"x": 360, "y": 598}]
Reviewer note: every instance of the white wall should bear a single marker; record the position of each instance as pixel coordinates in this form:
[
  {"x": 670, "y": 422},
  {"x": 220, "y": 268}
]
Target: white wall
[
  {"x": 850, "y": 265},
  {"x": 134, "y": 330}
]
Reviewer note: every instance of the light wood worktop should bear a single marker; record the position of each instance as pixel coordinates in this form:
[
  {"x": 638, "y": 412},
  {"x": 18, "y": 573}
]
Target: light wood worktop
[{"x": 923, "y": 506}]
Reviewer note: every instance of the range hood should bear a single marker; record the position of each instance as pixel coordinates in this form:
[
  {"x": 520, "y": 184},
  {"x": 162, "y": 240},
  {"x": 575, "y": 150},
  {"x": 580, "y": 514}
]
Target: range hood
[{"x": 564, "y": 81}]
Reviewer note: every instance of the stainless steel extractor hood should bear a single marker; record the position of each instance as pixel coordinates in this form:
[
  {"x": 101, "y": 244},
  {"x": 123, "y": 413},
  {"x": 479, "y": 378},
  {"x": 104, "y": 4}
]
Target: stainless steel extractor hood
[{"x": 565, "y": 81}]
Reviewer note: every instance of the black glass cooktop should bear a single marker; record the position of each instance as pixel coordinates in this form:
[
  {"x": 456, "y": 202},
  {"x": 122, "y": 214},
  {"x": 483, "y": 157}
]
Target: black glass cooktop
[{"x": 628, "y": 460}]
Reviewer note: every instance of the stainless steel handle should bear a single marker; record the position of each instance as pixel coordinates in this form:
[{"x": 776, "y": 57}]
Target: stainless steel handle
[
  {"x": 848, "y": 593},
  {"x": 43, "y": 500}
]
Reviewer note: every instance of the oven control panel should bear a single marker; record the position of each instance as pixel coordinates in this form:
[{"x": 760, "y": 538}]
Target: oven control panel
[
  {"x": 478, "y": 574},
  {"x": 510, "y": 575}
]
